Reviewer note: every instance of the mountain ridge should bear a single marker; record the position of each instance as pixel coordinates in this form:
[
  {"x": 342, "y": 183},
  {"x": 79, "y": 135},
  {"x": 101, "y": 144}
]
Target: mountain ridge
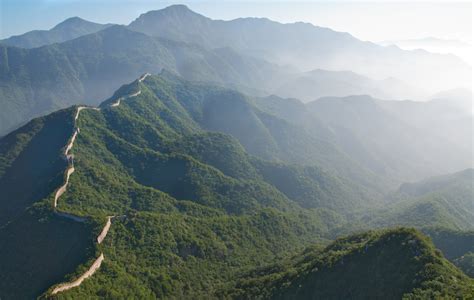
[
  {"x": 325, "y": 48},
  {"x": 68, "y": 29}
]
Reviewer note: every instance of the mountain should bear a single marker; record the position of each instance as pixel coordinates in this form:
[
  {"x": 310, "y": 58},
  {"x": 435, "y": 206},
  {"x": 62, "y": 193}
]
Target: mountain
[
  {"x": 404, "y": 140},
  {"x": 443, "y": 201},
  {"x": 399, "y": 141},
  {"x": 361, "y": 266},
  {"x": 460, "y": 99},
  {"x": 441, "y": 207},
  {"x": 437, "y": 183},
  {"x": 164, "y": 197},
  {"x": 198, "y": 48},
  {"x": 427, "y": 42},
  {"x": 315, "y": 84},
  {"x": 274, "y": 137},
  {"x": 67, "y": 30},
  {"x": 323, "y": 47},
  {"x": 88, "y": 69},
  {"x": 457, "y": 47},
  {"x": 185, "y": 198}
]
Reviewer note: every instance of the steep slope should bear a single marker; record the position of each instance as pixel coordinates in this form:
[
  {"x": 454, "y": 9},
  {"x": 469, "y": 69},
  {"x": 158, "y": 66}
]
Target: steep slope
[
  {"x": 38, "y": 248},
  {"x": 88, "y": 69},
  {"x": 30, "y": 159},
  {"x": 323, "y": 47},
  {"x": 69, "y": 29},
  {"x": 362, "y": 266}
]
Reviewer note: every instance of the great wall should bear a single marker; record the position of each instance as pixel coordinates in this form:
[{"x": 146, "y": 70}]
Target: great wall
[{"x": 62, "y": 189}]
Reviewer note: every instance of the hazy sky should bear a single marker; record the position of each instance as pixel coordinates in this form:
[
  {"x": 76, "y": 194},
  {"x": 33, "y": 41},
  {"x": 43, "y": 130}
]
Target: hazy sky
[{"x": 374, "y": 21}]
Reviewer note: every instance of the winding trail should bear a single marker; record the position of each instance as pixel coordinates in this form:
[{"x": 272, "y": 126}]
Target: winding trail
[
  {"x": 117, "y": 103},
  {"x": 62, "y": 189},
  {"x": 105, "y": 230},
  {"x": 66, "y": 286}
]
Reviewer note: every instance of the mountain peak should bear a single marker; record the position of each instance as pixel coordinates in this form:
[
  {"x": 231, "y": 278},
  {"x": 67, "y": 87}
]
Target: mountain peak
[
  {"x": 72, "y": 21},
  {"x": 168, "y": 15},
  {"x": 172, "y": 10},
  {"x": 177, "y": 7},
  {"x": 68, "y": 29}
]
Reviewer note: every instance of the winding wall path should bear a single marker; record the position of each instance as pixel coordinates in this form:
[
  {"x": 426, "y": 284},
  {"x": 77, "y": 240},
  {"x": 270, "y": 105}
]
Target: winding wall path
[
  {"x": 66, "y": 286},
  {"x": 105, "y": 230},
  {"x": 117, "y": 102},
  {"x": 62, "y": 189}
]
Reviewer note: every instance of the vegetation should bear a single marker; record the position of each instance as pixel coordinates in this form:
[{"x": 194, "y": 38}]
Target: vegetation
[
  {"x": 199, "y": 212},
  {"x": 457, "y": 246},
  {"x": 444, "y": 201},
  {"x": 394, "y": 264}
]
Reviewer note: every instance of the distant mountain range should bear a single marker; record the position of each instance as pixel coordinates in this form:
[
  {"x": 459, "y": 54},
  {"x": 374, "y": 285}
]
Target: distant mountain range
[
  {"x": 67, "y": 30},
  {"x": 436, "y": 45},
  {"x": 256, "y": 61},
  {"x": 401, "y": 140},
  {"x": 306, "y": 47},
  {"x": 88, "y": 69},
  {"x": 428, "y": 42}
]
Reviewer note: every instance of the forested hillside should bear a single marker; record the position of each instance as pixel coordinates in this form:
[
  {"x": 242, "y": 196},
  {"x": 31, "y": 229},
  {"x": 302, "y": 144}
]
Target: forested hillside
[
  {"x": 457, "y": 246},
  {"x": 162, "y": 168},
  {"x": 443, "y": 201},
  {"x": 367, "y": 265},
  {"x": 168, "y": 158}
]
